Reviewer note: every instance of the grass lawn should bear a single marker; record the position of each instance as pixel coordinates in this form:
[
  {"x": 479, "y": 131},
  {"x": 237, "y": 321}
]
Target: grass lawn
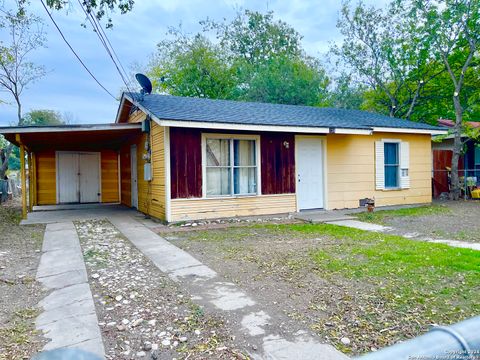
[
  {"x": 373, "y": 288},
  {"x": 380, "y": 216}
]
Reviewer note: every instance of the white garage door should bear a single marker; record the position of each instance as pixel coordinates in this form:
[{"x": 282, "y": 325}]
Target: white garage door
[{"x": 78, "y": 177}]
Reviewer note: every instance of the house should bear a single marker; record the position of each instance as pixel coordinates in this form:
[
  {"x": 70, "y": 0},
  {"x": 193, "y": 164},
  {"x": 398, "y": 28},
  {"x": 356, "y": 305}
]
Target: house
[
  {"x": 178, "y": 158},
  {"x": 442, "y": 152}
]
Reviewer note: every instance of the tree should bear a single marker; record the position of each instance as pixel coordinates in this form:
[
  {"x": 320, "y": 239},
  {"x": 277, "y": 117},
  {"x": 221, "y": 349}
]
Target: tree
[
  {"x": 346, "y": 93},
  {"x": 255, "y": 58},
  {"x": 16, "y": 71},
  {"x": 255, "y": 37},
  {"x": 382, "y": 49},
  {"x": 286, "y": 80},
  {"x": 452, "y": 27},
  {"x": 100, "y": 9},
  {"x": 191, "y": 66},
  {"x": 43, "y": 118}
]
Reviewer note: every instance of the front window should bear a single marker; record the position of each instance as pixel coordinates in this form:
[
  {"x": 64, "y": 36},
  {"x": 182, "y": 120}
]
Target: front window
[
  {"x": 391, "y": 165},
  {"x": 231, "y": 167}
]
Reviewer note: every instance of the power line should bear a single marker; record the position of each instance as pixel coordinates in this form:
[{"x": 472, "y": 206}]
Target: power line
[
  {"x": 74, "y": 52},
  {"x": 98, "y": 29}
]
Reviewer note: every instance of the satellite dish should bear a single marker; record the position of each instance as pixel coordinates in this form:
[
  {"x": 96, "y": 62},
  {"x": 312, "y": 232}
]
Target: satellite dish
[{"x": 145, "y": 83}]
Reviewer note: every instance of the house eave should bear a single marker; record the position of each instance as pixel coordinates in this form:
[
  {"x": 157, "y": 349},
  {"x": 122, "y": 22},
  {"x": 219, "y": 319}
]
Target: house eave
[
  {"x": 409, "y": 131},
  {"x": 67, "y": 128},
  {"x": 241, "y": 127}
]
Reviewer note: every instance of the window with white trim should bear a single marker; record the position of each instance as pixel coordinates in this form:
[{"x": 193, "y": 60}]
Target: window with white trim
[
  {"x": 231, "y": 166},
  {"x": 392, "y": 164}
]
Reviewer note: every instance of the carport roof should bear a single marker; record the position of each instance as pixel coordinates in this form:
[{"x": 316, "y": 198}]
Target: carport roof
[{"x": 71, "y": 137}]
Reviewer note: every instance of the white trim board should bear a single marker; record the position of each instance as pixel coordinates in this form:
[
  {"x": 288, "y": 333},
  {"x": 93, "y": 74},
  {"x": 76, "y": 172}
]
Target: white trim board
[
  {"x": 409, "y": 131},
  {"x": 240, "y": 127},
  {"x": 168, "y": 178},
  {"x": 45, "y": 129}
]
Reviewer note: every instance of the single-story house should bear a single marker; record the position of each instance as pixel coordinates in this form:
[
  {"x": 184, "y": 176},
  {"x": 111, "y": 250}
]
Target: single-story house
[
  {"x": 178, "y": 158},
  {"x": 442, "y": 151}
]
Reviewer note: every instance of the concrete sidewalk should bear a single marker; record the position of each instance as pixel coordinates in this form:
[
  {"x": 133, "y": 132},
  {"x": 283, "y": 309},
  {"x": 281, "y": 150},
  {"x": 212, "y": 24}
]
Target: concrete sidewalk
[
  {"x": 68, "y": 318},
  {"x": 246, "y": 317},
  {"x": 413, "y": 236}
]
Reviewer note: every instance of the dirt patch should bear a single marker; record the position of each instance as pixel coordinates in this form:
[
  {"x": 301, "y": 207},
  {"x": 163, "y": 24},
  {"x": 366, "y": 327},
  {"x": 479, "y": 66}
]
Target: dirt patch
[
  {"x": 19, "y": 257},
  {"x": 142, "y": 313},
  {"x": 357, "y": 313},
  {"x": 462, "y": 222}
]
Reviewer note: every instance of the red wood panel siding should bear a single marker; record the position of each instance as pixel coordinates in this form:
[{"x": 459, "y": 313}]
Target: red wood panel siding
[
  {"x": 185, "y": 163},
  {"x": 277, "y": 163},
  {"x": 441, "y": 160}
]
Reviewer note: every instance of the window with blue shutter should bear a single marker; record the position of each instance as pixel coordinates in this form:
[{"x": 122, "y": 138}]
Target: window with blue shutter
[{"x": 391, "y": 161}]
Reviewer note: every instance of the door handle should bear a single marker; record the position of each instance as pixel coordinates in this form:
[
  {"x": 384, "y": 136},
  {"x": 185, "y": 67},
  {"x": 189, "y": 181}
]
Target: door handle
[{"x": 298, "y": 177}]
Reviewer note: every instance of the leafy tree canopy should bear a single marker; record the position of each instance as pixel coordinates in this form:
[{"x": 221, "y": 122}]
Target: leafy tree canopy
[
  {"x": 43, "y": 118},
  {"x": 255, "y": 58},
  {"x": 100, "y": 8}
]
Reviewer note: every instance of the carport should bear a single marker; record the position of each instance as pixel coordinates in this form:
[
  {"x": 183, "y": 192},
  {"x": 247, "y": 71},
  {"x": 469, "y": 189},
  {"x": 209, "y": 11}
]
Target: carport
[{"x": 71, "y": 164}]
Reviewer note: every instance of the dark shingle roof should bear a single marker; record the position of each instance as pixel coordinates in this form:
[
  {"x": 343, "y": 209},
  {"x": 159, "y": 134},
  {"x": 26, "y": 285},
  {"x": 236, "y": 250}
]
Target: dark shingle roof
[{"x": 167, "y": 107}]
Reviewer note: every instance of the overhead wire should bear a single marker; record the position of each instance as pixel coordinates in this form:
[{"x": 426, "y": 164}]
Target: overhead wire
[
  {"x": 98, "y": 29},
  {"x": 74, "y": 52}
]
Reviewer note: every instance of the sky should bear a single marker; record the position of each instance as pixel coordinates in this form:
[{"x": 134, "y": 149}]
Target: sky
[{"x": 67, "y": 87}]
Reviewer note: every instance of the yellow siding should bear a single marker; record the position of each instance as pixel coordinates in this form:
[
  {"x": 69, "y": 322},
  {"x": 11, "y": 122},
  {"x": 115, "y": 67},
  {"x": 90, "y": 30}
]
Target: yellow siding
[
  {"x": 109, "y": 184},
  {"x": 195, "y": 209},
  {"x": 351, "y": 171},
  {"x": 46, "y": 178},
  {"x": 151, "y": 194},
  {"x": 136, "y": 116}
]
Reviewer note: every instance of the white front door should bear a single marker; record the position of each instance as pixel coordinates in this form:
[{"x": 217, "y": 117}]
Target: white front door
[
  {"x": 78, "y": 177},
  {"x": 133, "y": 178},
  {"x": 309, "y": 162}
]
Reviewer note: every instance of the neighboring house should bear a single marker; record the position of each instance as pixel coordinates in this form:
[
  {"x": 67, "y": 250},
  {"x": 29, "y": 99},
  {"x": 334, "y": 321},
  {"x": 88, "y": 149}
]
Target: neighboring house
[
  {"x": 178, "y": 158},
  {"x": 442, "y": 159}
]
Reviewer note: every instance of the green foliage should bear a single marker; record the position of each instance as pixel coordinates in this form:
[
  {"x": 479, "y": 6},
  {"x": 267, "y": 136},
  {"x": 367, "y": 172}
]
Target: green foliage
[
  {"x": 256, "y": 38},
  {"x": 14, "y": 158},
  {"x": 288, "y": 81},
  {"x": 43, "y": 118},
  {"x": 382, "y": 49},
  {"x": 346, "y": 94},
  {"x": 255, "y": 58},
  {"x": 191, "y": 67},
  {"x": 100, "y": 9}
]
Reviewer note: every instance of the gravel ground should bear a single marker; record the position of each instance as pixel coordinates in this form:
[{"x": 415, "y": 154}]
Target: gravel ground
[
  {"x": 19, "y": 257},
  {"x": 462, "y": 222},
  {"x": 351, "y": 314},
  {"x": 142, "y": 313},
  {"x": 274, "y": 268},
  {"x": 227, "y": 223}
]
